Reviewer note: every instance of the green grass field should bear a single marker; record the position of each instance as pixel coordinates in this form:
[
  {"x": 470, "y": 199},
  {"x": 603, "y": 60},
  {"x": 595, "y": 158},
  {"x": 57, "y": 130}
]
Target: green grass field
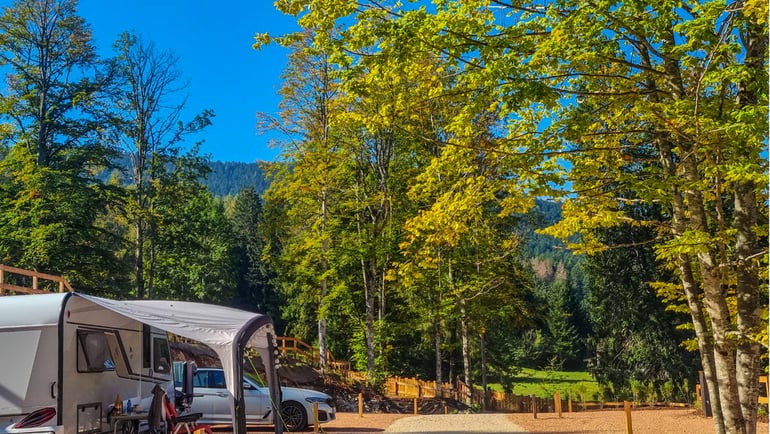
[{"x": 580, "y": 386}]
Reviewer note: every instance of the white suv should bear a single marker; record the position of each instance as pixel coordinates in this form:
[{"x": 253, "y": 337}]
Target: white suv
[{"x": 211, "y": 399}]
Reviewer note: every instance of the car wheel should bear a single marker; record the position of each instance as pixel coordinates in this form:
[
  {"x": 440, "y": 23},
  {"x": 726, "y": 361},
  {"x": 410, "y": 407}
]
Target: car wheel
[{"x": 293, "y": 416}]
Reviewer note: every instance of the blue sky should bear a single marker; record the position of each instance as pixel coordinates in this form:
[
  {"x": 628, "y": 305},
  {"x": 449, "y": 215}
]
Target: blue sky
[{"x": 213, "y": 42}]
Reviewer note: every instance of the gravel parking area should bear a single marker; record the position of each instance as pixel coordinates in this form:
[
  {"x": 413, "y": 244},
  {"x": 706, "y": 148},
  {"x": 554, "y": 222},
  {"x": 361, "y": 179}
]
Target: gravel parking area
[
  {"x": 653, "y": 421},
  {"x": 643, "y": 421},
  {"x": 456, "y": 424}
]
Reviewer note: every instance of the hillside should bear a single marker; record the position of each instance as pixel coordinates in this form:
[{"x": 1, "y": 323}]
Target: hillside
[{"x": 228, "y": 178}]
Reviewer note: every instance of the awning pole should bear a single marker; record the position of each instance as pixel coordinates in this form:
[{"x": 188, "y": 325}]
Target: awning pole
[{"x": 271, "y": 372}]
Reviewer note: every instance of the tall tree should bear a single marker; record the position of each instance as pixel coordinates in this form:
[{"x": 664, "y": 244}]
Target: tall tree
[
  {"x": 54, "y": 76},
  {"x": 255, "y": 289},
  {"x": 53, "y": 100},
  {"x": 650, "y": 87},
  {"x": 688, "y": 82},
  {"x": 148, "y": 100},
  {"x": 384, "y": 157},
  {"x": 311, "y": 184},
  {"x": 191, "y": 249},
  {"x": 634, "y": 335}
]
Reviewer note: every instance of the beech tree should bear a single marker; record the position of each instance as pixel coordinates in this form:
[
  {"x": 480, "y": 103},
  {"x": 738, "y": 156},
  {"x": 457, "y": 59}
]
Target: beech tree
[
  {"x": 670, "y": 86},
  {"x": 311, "y": 185},
  {"x": 586, "y": 84}
]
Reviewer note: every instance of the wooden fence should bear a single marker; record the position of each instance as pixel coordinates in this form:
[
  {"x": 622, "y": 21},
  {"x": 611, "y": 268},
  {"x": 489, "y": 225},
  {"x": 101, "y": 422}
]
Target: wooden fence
[
  {"x": 499, "y": 401},
  {"x": 18, "y": 280},
  {"x": 399, "y": 387},
  {"x": 310, "y": 354}
]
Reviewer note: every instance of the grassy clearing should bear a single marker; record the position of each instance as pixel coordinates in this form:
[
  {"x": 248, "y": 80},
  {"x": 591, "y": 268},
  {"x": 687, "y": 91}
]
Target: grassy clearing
[{"x": 580, "y": 386}]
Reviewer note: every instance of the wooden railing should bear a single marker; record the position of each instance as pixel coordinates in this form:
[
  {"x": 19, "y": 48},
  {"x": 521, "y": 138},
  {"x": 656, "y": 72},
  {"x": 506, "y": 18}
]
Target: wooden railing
[
  {"x": 414, "y": 388},
  {"x": 310, "y": 354},
  {"x": 7, "y": 288}
]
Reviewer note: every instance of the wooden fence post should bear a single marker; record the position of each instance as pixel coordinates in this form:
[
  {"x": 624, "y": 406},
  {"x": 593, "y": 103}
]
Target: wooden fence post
[
  {"x": 315, "y": 418},
  {"x": 627, "y": 407},
  {"x": 415, "y": 405},
  {"x": 533, "y": 398},
  {"x": 360, "y": 405},
  {"x": 557, "y": 403},
  {"x": 569, "y": 405}
]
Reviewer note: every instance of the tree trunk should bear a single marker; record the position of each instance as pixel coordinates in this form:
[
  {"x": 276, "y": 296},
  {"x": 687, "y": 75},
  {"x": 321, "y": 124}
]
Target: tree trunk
[
  {"x": 139, "y": 259},
  {"x": 482, "y": 350},
  {"x": 705, "y": 345},
  {"x": 437, "y": 343},
  {"x": 747, "y": 247},
  {"x": 715, "y": 301},
  {"x": 324, "y": 289},
  {"x": 150, "y": 285},
  {"x": 381, "y": 285},
  {"x": 747, "y": 288},
  {"x": 691, "y": 288},
  {"x": 42, "y": 132},
  {"x": 371, "y": 285},
  {"x": 452, "y": 353},
  {"x": 464, "y": 336},
  {"x": 371, "y": 290},
  {"x": 138, "y": 161}
]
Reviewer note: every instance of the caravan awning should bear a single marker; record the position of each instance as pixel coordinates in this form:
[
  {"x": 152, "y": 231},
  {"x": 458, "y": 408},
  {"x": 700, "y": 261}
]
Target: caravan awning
[{"x": 226, "y": 330}]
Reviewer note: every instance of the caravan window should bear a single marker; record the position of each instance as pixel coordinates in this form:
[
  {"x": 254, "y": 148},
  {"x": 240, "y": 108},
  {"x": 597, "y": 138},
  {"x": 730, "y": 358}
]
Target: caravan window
[
  {"x": 93, "y": 352},
  {"x": 161, "y": 362}
]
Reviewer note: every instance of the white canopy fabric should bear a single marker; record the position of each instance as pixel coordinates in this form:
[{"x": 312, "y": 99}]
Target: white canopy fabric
[{"x": 226, "y": 330}]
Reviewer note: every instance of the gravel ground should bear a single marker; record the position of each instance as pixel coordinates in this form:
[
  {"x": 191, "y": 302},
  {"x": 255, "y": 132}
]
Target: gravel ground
[
  {"x": 658, "y": 421},
  {"x": 456, "y": 424},
  {"x": 643, "y": 421}
]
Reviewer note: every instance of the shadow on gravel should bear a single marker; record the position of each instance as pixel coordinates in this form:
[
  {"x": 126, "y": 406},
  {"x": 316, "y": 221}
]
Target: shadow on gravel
[
  {"x": 269, "y": 428},
  {"x": 354, "y": 430}
]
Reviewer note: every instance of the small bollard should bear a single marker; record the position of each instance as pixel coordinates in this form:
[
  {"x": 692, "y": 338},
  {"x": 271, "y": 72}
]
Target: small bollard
[
  {"x": 415, "y": 405},
  {"x": 569, "y": 404},
  {"x": 360, "y": 405},
  {"x": 627, "y": 407},
  {"x": 315, "y": 418},
  {"x": 534, "y": 405},
  {"x": 446, "y": 410}
]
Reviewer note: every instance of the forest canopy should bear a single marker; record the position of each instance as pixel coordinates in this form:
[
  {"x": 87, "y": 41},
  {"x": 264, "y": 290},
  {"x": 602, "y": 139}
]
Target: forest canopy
[{"x": 463, "y": 188}]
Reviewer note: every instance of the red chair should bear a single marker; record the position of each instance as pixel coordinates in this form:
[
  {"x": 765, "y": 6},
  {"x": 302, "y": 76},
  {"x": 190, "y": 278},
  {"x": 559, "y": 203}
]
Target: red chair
[{"x": 185, "y": 423}]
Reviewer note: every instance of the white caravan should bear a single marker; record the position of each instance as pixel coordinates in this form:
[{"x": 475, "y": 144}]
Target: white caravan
[{"x": 65, "y": 357}]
